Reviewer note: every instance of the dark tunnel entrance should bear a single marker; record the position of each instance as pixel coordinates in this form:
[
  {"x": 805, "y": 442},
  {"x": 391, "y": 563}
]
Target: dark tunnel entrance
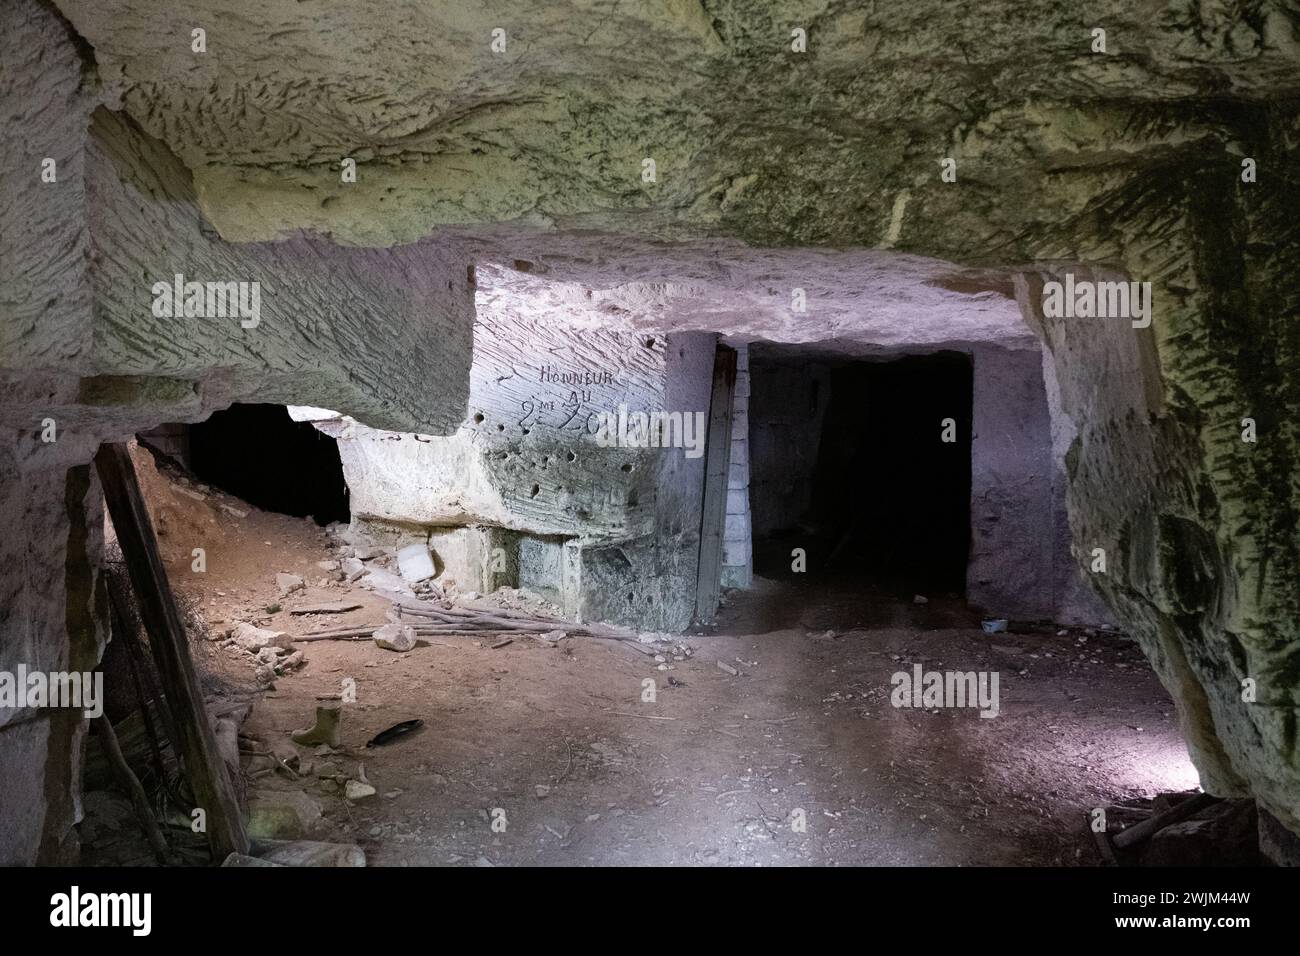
[
  {"x": 260, "y": 454},
  {"x": 851, "y": 464}
]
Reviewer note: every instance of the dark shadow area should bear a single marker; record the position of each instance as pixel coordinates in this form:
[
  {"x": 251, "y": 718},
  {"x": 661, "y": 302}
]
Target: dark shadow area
[
  {"x": 888, "y": 499},
  {"x": 258, "y": 453}
]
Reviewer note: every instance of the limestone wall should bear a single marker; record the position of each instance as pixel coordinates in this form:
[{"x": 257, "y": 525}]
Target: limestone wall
[
  {"x": 526, "y": 459},
  {"x": 1014, "y": 550},
  {"x": 524, "y": 456},
  {"x": 1197, "y": 525},
  {"x": 52, "y": 618},
  {"x": 84, "y": 360}
]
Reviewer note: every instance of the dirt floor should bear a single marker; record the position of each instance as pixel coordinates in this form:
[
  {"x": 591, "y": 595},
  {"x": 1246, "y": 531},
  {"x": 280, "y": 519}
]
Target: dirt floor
[{"x": 547, "y": 754}]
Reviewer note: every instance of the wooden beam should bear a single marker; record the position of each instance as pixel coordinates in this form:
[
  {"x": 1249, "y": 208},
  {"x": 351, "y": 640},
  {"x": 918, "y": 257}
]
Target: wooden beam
[
  {"x": 1153, "y": 824},
  {"x": 196, "y": 744},
  {"x": 717, "y": 471}
]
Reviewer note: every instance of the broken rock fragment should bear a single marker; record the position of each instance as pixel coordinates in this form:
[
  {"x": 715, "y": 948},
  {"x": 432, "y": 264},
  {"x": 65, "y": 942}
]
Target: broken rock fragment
[
  {"x": 415, "y": 563},
  {"x": 288, "y": 583},
  {"x": 396, "y": 637},
  {"x": 357, "y": 790},
  {"x": 255, "y": 639},
  {"x": 281, "y": 814}
]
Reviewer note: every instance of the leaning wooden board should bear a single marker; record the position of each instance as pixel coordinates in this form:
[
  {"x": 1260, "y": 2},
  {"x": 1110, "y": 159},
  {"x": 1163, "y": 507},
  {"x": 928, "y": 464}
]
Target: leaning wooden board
[{"x": 197, "y": 743}]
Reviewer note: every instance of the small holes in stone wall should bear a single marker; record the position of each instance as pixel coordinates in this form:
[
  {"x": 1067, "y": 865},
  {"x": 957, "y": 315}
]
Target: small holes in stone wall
[
  {"x": 649, "y": 343},
  {"x": 626, "y": 468},
  {"x": 501, "y": 428},
  {"x": 536, "y": 489},
  {"x": 478, "y": 418}
]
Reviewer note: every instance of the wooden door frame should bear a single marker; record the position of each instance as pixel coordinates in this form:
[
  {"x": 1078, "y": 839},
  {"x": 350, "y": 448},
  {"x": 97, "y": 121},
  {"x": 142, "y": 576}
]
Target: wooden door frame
[{"x": 717, "y": 473}]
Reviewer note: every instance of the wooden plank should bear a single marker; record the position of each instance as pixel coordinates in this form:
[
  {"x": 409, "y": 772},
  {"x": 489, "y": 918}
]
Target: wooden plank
[
  {"x": 1153, "y": 824},
  {"x": 717, "y": 468},
  {"x": 196, "y": 743}
]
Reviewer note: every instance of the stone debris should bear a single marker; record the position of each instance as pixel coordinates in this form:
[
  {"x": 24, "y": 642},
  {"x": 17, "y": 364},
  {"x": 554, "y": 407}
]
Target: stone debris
[
  {"x": 415, "y": 563},
  {"x": 396, "y": 637},
  {"x": 377, "y": 579},
  {"x": 254, "y": 639},
  {"x": 270, "y": 653},
  {"x": 521, "y": 599},
  {"x": 309, "y": 853},
  {"x": 281, "y": 814},
  {"x": 286, "y": 583},
  {"x": 357, "y": 790}
]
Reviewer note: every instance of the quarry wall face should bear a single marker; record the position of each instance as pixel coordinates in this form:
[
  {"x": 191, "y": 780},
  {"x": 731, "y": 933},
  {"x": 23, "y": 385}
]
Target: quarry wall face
[
  {"x": 88, "y": 355},
  {"x": 215, "y": 183}
]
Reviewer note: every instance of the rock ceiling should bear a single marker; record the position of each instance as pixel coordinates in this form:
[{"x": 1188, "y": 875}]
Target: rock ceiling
[
  {"x": 869, "y": 301},
  {"x": 547, "y": 137},
  {"x": 837, "y": 145}
]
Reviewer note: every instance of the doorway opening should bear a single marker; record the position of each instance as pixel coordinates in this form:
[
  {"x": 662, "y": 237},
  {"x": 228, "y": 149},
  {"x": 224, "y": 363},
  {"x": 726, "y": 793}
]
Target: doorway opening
[
  {"x": 258, "y": 453},
  {"x": 865, "y": 465}
]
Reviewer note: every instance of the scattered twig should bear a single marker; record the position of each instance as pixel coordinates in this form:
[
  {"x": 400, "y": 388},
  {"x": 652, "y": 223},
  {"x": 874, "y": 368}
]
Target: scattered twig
[
  {"x": 569, "y": 765},
  {"x": 621, "y": 713},
  {"x": 730, "y": 793},
  {"x": 139, "y": 800}
]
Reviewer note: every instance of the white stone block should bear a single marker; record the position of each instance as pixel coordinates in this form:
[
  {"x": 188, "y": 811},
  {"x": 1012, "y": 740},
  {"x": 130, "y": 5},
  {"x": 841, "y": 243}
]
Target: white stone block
[{"x": 415, "y": 563}]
